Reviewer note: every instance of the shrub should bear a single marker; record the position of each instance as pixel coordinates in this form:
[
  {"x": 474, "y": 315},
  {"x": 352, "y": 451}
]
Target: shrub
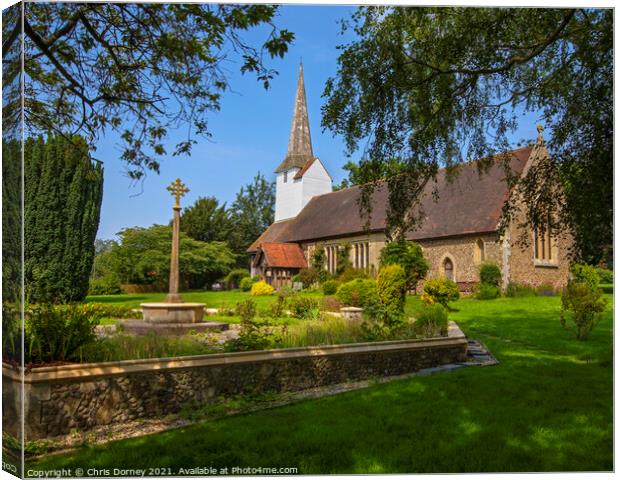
[
  {"x": 109, "y": 284},
  {"x": 112, "y": 311},
  {"x": 304, "y": 308},
  {"x": 308, "y": 276},
  {"x": 234, "y": 277},
  {"x": 605, "y": 275},
  {"x": 245, "y": 284},
  {"x": 586, "y": 305},
  {"x": 607, "y": 288},
  {"x": 246, "y": 309},
  {"x": 277, "y": 308},
  {"x": 358, "y": 293},
  {"x": 285, "y": 291},
  {"x": 253, "y": 336},
  {"x": 582, "y": 273},
  {"x": 490, "y": 274},
  {"x": 261, "y": 288},
  {"x": 485, "y": 291},
  {"x": 331, "y": 304},
  {"x": 58, "y": 333},
  {"x": 441, "y": 290},
  {"x": 519, "y": 290},
  {"x": 330, "y": 287},
  {"x": 392, "y": 288},
  {"x": 351, "y": 274},
  {"x": 408, "y": 255},
  {"x": 432, "y": 321}
]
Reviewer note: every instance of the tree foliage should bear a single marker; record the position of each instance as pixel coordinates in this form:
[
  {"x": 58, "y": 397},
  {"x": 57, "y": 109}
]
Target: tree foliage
[
  {"x": 206, "y": 220},
  {"x": 143, "y": 257},
  {"x": 62, "y": 202},
  {"x": 251, "y": 213},
  {"x": 136, "y": 68},
  {"x": 435, "y": 87},
  {"x": 408, "y": 255},
  {"x": 11, "y": 220}
]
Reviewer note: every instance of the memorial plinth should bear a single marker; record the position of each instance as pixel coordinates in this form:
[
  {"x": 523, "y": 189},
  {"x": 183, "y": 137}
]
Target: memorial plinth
[{"x": 173, "y": 317}]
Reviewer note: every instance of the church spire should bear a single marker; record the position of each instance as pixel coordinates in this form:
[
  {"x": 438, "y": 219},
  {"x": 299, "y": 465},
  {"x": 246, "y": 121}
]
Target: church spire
[{"x": 299, "y": 144}]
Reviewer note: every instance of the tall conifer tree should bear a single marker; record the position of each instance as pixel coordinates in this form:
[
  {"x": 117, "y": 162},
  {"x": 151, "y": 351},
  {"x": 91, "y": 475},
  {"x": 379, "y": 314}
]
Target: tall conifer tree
[{"x": 63, "y": 192}]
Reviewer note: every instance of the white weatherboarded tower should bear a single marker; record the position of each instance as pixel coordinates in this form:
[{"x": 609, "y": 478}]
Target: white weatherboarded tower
[{"x": 301, "y": 175}]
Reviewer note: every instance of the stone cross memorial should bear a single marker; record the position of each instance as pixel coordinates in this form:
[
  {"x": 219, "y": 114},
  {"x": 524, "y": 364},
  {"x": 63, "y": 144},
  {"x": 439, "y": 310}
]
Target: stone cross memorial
[
  {"x": 178, "y": 190},
  {"x": 173, "y": 316}
]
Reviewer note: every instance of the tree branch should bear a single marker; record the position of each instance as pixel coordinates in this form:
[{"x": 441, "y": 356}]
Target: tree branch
[{"x": 514, "y": 60}]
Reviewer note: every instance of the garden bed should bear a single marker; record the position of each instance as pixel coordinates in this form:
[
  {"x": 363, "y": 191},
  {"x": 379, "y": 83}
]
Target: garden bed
[{"x": 83, "y": 396}]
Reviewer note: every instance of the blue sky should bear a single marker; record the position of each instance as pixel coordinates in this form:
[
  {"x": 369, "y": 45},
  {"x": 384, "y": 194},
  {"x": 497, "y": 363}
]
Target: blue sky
[{"x": 250, "y": 133}]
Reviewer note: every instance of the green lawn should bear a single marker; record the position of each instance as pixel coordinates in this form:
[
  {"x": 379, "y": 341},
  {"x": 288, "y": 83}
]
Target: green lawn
[
  {"x": 546, "y": 407},
  {"x": 210, "y": 299},
  {"x": 226, "y": 299}
]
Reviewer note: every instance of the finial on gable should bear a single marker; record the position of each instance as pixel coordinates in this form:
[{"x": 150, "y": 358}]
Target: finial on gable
[{"x": 540, "y": 140}]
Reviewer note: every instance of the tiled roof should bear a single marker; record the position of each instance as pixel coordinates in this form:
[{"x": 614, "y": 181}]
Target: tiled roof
[
  {"x": 470, "y": 203},
  {"x": 304, "y": 169},
  {"x": 273, "y": 233},
  {"x": 283, "y": 255}
]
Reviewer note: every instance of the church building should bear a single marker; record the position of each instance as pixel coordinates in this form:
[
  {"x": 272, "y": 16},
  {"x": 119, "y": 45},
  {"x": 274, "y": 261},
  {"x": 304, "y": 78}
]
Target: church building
[{"x": 461, "y": 224}]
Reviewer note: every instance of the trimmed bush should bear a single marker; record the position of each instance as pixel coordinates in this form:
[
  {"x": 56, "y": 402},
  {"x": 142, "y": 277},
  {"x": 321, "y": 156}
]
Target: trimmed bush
[
  {"x": 358, "y": 293},
  {"x": 351, "y": 273},
  {"x": 583, "y": 273},
  {"x": 441, "y": 290},
  {"x": 330, "y": 287},
  {"x": 432, "y": 321},
  {"x": 605, "y": 275},
  {"x": 485, "y": 291},
  {"x": 234, "y": 277},
  {"x": 261, "y": 288},
  {"x": 392, "y": 288},
  {"x": 245, "y": 284},
  {"x": 490, "y": 274},
  {"x": 106, "y": 285}
]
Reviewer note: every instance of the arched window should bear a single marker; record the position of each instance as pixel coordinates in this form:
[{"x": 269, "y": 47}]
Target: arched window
[
  {"x": 479, "y": 251},
  {"x": 448, "y": 269}
]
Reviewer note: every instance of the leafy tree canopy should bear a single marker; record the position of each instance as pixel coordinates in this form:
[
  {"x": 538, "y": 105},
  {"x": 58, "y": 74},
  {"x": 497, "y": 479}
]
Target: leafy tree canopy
[
  {"x": 434, "y": 87},
  {"x": 251, "y": 212},
  {"x": 143, "y": 256},
  {"x": 206, "y": 220},
  {"x": 136, "y": 68},
  {"x": 408, "y": 255}
]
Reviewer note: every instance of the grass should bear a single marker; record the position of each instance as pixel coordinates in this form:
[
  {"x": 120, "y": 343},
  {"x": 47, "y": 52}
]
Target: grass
[
  {"x": 225, "y": 299},
  {"x": 547, "y": 407}
]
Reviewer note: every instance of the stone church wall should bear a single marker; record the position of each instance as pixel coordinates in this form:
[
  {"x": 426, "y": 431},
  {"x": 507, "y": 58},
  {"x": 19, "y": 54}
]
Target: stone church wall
[
  {"x": 462, "y": 251},
  {"x": 524, "y": 269}
]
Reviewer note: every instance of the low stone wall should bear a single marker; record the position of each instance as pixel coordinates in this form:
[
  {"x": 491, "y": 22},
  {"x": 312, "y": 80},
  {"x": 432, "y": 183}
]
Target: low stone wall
[{"x": 83, "y": 396}]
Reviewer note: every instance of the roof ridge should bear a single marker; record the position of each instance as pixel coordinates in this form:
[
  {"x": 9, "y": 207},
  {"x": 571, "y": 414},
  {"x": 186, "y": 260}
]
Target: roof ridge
[{"x": 383, "y": 180}]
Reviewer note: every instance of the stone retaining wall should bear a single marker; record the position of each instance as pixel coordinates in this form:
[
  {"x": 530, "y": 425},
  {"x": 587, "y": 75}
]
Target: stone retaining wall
[{"x": 83, "y": 396}]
